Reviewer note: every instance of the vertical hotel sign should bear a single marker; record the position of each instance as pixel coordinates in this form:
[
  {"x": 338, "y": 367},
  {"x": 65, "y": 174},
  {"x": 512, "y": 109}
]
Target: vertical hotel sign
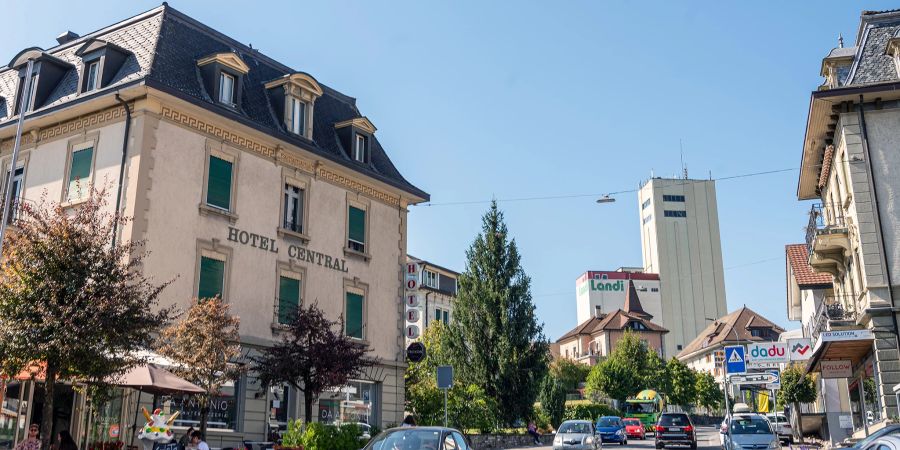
[{"x": 411, "y": 280}]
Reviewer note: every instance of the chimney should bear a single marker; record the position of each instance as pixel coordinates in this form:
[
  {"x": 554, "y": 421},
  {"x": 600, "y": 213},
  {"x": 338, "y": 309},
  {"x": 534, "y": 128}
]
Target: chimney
[
  {"x": 68, "y": 36},
  {"x": 598, "y": 312}
]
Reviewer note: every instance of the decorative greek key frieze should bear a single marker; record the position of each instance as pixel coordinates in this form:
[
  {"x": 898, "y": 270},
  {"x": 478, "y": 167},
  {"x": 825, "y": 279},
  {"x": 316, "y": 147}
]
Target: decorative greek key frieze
[
  {"x": 71, "y": 126},
  {"x": 355, "y": 185}
]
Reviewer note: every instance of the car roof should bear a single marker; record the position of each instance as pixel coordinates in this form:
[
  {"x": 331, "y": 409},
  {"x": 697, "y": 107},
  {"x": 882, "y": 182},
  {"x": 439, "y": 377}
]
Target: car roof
[
  {"x": 577, "y": 421},
  {"x": 428, "y": 428},
  {"x": 892, "y": 438},
  {"x": 610, "y": 417}
]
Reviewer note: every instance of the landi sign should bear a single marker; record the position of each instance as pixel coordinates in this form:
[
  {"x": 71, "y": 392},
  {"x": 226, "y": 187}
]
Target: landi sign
[{"x": 295, "y": 252}]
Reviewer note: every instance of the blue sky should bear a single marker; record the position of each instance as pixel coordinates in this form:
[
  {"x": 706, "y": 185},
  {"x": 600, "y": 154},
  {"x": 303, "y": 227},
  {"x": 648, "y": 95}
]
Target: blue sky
[{"x": 475, "y": 100}]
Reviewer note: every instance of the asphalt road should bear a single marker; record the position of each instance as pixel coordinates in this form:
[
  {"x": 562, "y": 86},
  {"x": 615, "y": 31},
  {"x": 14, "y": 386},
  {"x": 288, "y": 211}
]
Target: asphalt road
[{"x": 707, "y": 439}]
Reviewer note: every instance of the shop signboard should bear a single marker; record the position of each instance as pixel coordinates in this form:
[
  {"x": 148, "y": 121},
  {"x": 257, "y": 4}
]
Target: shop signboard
[
  {"x": 412, "y": 331},
  {"x": 846, "y": 335},
  {"x": 767, "y": 353},
  {"x": 800, "y": 348},
  {"x": 836, "y": 368}
]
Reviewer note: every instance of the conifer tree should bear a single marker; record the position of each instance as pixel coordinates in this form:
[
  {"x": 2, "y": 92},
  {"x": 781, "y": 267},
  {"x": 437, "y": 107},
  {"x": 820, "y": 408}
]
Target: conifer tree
[{"x": 495, "y": 339}]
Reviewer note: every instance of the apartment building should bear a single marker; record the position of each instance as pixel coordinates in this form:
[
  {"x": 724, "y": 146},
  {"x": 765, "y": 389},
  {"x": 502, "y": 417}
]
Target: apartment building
[
  {"x": 850, "y": 168},
  {"x": 247, "y": 178}
]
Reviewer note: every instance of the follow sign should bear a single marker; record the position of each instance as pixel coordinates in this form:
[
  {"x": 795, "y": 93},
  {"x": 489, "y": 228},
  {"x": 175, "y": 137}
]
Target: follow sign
[{"x": 769, "y": 352}]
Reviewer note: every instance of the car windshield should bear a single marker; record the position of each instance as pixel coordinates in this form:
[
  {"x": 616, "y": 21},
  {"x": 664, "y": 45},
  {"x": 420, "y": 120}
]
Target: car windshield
[
  {"x": 750, "y": 425},
  {"x": 674, "y": 420},
  {"x": 575, "y": 427},
  {"x": 406, "y": 439},
  {"x": 608, "y": 422},
  {"x": 887, "y": 431},
  {"x": 634, "y": 422},
  {"x": 639, "y": 408}
]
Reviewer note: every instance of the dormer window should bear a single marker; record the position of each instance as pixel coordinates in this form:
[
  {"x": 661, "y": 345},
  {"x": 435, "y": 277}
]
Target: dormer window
[
  {"x": 222, "y": 73},
  {"x": 226, "y": 89},
  {"x": 356, "y": 137},
  {"x": 293, "y": 97},
  {"x": 298, "y": 116},
  {"x": 93, "y": 70},
  {"x": 102, "y": 62},
  {"x": 360, "y": 150},
  {"x": 46, "y": 74}
]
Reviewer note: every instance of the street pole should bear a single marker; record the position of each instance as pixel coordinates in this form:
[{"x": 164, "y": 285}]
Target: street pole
[
  {"x": 445, "y": 408},
  {"x": 725, "y": 380},
  {"x": 23, "y": 102}
]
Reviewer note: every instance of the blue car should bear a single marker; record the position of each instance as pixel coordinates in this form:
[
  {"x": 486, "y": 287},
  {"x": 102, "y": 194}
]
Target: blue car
[{"x": 612, "y": 429}]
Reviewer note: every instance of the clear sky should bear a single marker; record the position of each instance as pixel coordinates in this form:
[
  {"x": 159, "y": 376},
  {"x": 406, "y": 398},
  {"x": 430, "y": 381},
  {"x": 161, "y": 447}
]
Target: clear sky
[{"x": 514, "y": 99}]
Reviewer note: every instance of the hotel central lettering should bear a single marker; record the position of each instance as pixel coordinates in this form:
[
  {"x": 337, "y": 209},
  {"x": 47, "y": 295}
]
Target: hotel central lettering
[{"x": 295, "y": 252}]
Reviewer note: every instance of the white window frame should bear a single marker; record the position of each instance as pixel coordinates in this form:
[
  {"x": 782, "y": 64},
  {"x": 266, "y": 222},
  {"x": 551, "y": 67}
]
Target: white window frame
[
  {"x": 298, "y": 216},
  {"x": 359, "y": 148},
  {"x": 229, "y": 100},
  {"x": 430, "y": 278},
  {"x": 92, "y": 72},
  {"x": 298, "y": 126},
  {"x": 76, "y": 145}
]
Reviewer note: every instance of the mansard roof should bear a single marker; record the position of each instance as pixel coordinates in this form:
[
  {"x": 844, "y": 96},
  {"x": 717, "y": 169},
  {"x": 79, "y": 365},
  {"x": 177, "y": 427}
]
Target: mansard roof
[{"x": 165, "y": 46}]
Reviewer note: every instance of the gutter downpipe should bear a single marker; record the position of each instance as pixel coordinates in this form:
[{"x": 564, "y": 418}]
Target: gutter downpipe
[
  {"x": 864, "y": 134},
  {"x": 121, "y": 167},
  {"x": 24, "y": 101}
]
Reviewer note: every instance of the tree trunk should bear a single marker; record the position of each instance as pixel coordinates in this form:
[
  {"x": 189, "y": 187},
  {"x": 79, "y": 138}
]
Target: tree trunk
[
  {"x": 47, "y": 410},
  {"x": 798, "y": 416},
  {"x": 307, "y": 407},
  {"x": 204, "y": 417}
]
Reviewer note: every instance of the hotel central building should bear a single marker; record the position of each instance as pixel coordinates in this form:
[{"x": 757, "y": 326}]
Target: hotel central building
[{"x": 248, "y": 179}]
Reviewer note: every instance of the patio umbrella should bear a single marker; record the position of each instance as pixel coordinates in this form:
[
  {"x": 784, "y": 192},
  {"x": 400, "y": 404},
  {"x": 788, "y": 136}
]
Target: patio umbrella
[{"x": 157, "y": 381}]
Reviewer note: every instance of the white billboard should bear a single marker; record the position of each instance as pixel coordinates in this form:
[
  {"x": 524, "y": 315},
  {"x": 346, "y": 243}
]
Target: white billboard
[{"x": 607, "y": 289}]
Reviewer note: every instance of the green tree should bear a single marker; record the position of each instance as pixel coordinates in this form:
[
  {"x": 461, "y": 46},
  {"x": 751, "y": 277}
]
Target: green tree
[
  {"x": 495, "y": 340},
  {"x": 796, "y": 387},
  {"x": 467, "y": 405},
  {"x": 569, "y": 373},
  {"x": 624, "y": 372},
  {"x": 205, "y": 344},
  {"x": 709, "y": 394},
  {"x": 684, "y": 384},
  {"x": 553, "y": 399},
  {"x": 655, "y": 373},
  {"x": 72, "y": 300}
]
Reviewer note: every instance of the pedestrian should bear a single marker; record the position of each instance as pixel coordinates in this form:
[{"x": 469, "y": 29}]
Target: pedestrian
[
  {"x": 65, "y": 441},
  {"x": 32, "y": 442},
  {"x": 532, "y": 430},
  {"x": 197, "y": 441},
  {"x": 408, "y": 421},
  {"x": 186, "y": 439}
]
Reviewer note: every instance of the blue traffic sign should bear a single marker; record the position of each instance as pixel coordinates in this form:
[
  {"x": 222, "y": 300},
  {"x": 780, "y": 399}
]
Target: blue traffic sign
[
  {"x": 735, "y": 359},
  {"x": 777, "y": 383}
]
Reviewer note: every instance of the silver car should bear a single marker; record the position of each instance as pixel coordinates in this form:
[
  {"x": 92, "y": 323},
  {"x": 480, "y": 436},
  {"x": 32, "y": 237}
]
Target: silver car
[
  {"x": 576, "y": 435},
  {"x": 750, "y": 432}
]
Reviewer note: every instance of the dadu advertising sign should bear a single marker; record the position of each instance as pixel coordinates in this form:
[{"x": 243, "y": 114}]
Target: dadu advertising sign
[{"x": 768, "y": 353}]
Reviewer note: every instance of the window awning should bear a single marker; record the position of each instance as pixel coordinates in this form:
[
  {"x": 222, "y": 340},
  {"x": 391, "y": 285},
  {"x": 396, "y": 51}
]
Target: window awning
[{"x": 853, "y": 345}]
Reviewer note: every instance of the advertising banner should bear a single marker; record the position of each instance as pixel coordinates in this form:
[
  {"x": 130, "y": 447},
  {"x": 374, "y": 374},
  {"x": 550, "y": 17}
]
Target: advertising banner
[{"x": 767, "y": 353}]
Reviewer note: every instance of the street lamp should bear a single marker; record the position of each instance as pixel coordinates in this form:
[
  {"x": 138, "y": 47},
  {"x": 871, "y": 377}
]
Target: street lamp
[{"x": 605, "y": 199}]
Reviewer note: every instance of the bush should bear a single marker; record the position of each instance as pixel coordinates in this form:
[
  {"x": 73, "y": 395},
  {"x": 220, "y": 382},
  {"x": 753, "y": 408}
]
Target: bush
[
  {"x": 541, "y": 419},
  {"x": 588, "y": 411},
  {"x": 330, "y": 437}
]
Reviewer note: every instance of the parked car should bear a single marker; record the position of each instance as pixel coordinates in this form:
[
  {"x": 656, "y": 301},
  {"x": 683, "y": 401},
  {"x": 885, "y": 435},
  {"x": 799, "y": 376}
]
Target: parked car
[
  {"x": 675, "y": 429},
  {"x": 419, "y": 438},
  {"x": 576, "y": 435},
  {"x": 782, "y": 427},
  {"x": 634, "y": 428},
  {"x": 889, "y": 430},
  {"x": 885, "y": 442},
  {"x": 611, "y": 429},
  {"x": 749, "y": 431}
]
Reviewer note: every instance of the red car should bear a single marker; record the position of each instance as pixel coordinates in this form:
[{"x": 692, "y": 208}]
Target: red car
[{"x": 634, "y": 428}]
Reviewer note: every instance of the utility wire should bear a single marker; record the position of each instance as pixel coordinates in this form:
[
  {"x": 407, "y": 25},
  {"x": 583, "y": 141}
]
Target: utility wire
[{"x": 568, "y": 196}]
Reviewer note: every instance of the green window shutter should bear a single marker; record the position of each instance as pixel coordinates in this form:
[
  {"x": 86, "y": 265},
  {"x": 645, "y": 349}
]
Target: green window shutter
[
  {"x": 212, "y": 278},
  {"x": 354, "y": 316},
  {"x": 288, "y": 298},
  {"x": 80, "y": 172},
  {"x": 218, "y": 185},
  {"x": 437, "y": 314},
  {"x": 446, "y": 317},
  {"x": 357, "y": 218}
]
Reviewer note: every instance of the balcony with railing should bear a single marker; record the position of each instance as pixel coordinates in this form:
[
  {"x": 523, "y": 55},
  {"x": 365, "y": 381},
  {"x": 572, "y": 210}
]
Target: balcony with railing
[
  {"x": 835, "y": 312},
  {"x": 827, "y": 239}
]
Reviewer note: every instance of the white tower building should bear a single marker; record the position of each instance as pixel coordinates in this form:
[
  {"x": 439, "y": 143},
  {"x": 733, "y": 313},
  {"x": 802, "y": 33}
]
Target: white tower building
[{"x": 680, "y": 241}]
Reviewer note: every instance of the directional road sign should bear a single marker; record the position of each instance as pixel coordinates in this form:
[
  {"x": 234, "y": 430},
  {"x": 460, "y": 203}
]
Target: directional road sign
[
  {"x": 777, "y": 383},
  {"x": 754, "y": 378},
  {"x": 735, "y": 359}
]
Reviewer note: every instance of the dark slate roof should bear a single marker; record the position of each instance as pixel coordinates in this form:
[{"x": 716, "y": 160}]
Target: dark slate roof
[
  {"x": 871, "y": 63},
  {"x": 165, "y": 46}
]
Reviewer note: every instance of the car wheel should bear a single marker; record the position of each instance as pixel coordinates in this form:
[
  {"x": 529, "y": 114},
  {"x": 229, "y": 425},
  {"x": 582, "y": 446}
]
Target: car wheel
[{"x": 694, "y": 445}]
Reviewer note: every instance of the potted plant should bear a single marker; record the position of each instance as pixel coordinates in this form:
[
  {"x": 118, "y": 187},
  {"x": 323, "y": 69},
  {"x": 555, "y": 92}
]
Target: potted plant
[{"x": 292, "y": 438}]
